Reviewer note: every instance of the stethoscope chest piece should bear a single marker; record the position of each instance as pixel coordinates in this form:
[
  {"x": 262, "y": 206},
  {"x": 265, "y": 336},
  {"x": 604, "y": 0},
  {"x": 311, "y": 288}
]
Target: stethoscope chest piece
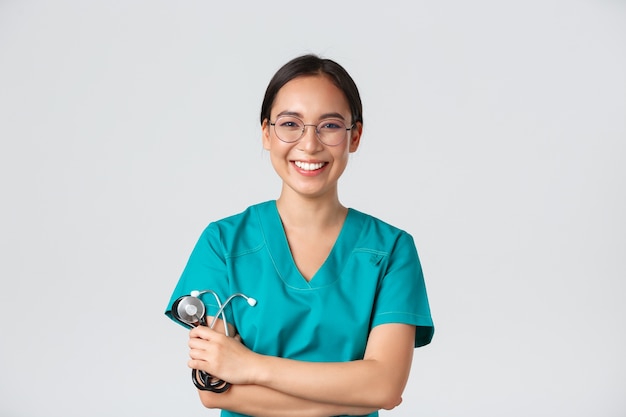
[{"x": 189, "y": 310}]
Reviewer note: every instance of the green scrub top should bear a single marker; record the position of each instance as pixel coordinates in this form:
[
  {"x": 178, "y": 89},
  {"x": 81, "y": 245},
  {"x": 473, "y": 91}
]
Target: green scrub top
[{"x": 372, "y": 276}]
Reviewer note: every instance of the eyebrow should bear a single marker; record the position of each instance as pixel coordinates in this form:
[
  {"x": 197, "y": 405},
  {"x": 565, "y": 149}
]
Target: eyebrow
[{"x": 333, "y": 115}]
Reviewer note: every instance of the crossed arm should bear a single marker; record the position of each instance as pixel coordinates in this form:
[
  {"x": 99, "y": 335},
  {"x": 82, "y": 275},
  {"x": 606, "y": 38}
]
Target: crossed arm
[{"x": 273, "y": 387}]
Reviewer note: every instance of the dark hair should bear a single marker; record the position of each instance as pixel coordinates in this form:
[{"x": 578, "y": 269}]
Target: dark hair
[{"x": 313, "y": 65}]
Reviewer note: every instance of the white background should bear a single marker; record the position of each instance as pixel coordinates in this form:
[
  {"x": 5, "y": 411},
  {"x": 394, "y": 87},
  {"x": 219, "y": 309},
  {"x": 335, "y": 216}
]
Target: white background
[{"x": 495, "y": 133}]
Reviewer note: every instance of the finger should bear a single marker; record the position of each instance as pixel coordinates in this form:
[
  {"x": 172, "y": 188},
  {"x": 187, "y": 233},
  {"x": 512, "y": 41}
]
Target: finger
[
  {"x": 197, "y": 354},
  {"x": 200, "y": 344},
  {"x": 198, "y": 364},
  {"x": 202, "y": 332}
]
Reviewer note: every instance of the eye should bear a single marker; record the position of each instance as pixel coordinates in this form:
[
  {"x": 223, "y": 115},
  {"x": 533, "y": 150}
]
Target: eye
[
  {"x": 331, "y": 125},
  {"x": 289, "y": 123}
]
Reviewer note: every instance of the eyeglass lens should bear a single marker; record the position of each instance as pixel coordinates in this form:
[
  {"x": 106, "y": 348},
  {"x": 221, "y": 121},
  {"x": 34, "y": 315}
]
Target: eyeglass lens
[{"x": 329, "y": 131}]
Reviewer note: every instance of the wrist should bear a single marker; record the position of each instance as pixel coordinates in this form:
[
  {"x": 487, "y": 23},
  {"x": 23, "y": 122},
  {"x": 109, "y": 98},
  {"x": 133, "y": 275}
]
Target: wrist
[{"x": 262, "y": 370}]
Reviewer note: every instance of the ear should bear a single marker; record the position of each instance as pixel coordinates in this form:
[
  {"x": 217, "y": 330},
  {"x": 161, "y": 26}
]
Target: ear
[
  {"x": 265, "y": 129},
  {"x": 355, "y": 136}
]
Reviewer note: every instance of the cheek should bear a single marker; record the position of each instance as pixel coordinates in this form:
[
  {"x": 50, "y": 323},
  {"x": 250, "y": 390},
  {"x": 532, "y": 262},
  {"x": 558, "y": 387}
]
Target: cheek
[
  {"x": 277, "y": 150},
  {"x": 340, "y": 159},
  {"x": 342, "y": 152}
]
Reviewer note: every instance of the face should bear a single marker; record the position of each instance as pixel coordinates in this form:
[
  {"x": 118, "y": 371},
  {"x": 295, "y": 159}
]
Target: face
[{"x": 308, "y": 167}]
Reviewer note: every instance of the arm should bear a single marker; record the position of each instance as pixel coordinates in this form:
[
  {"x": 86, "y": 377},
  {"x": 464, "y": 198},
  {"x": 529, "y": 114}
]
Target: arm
[
  {"x": 264, "y": 402},
  {"x": 377, "y": 381}
]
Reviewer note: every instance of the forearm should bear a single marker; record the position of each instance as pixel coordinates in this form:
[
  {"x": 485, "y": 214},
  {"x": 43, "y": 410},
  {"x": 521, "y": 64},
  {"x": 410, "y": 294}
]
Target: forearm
[
  {"x": 362, "y": 383},
  {"x": 377, "y": 381},
  {"x": 260, "y": 401}
]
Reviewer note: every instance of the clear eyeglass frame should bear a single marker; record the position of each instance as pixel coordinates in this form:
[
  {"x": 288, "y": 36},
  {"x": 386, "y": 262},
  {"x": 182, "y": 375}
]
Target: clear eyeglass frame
[{"x": 330, "y": 132}]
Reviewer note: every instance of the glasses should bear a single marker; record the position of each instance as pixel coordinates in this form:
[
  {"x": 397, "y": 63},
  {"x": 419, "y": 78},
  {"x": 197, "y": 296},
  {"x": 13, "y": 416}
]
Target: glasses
[{"x": 330, "y": 132}]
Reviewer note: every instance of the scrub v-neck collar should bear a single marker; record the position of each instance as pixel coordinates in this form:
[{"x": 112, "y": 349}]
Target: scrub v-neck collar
[{"x": 279, "y": 250}]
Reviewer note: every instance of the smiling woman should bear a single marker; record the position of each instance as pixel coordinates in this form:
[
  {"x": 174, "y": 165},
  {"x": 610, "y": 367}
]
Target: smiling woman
[
  {"x": 314, "y": 98},
  {"x": 340, "y": 295}
]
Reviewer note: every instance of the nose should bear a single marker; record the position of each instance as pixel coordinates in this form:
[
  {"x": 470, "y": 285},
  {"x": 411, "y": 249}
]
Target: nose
[{"x": 309, "y": 141}]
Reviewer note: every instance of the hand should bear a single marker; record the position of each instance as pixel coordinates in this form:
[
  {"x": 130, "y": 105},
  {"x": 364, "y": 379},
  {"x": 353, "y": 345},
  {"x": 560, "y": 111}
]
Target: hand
[{"x": 219, "y": 355}]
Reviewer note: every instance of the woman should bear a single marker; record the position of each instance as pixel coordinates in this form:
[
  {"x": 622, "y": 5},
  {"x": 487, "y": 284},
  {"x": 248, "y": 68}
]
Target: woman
[{"x": 341, "y": 296}]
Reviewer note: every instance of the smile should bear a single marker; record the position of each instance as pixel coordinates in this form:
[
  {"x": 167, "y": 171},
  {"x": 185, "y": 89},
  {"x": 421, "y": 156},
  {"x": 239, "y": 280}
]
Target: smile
[{"x": 309, "y": 166}]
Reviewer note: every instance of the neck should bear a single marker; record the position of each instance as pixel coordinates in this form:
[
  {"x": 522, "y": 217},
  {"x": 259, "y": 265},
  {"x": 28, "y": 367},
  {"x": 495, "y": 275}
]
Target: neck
[{"x": 310, "y": 213}]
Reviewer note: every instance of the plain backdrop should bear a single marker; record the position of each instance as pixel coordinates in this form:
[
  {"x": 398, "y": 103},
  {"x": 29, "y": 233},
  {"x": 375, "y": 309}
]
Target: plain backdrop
[{"x": 495, "y": 133}]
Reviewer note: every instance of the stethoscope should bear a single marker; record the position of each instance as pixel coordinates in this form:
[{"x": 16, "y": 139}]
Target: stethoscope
[{"x": 190, "y": 311}]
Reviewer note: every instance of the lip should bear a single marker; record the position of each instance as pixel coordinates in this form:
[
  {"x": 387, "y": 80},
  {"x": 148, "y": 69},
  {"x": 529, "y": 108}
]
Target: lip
[{"x": 309, "y": 173}]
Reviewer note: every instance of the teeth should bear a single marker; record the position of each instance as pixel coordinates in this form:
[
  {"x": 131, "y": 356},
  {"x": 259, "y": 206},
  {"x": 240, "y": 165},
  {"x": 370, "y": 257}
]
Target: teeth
[{"x": 309, "y": 166}]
